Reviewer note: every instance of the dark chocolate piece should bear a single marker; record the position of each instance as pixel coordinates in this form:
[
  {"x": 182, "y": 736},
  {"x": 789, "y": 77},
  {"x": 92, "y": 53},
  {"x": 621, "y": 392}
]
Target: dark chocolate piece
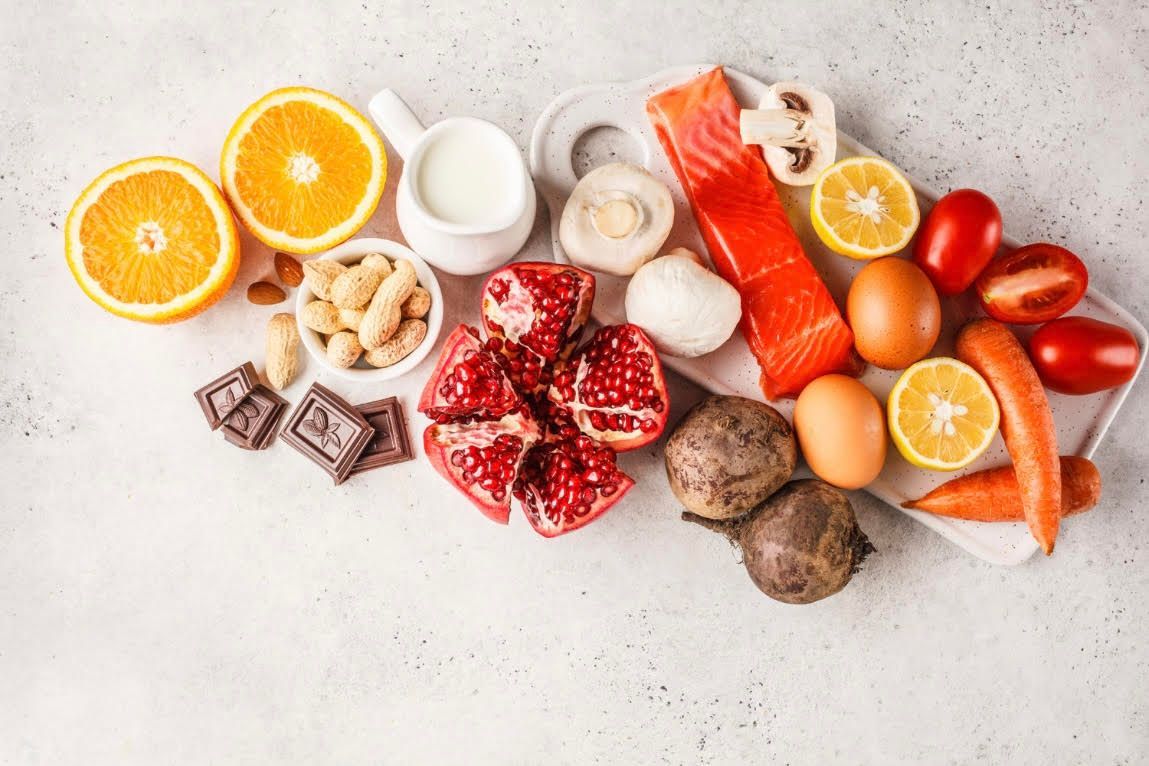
[
  {"x": 218, "y": 398},
  {"x": 390, "y": 443},
  {"x": 251, "y": 425},
  {"x": 328, "y": 431}
]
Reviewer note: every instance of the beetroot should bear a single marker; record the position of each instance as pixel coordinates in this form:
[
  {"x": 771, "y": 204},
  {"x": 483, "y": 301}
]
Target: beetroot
[{"x": 800, "y": 545}]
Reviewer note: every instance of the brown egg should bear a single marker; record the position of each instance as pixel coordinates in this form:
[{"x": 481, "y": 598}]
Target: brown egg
[
  {"x": 841, "y": 430},
  {"x": 894, "y": 312}
]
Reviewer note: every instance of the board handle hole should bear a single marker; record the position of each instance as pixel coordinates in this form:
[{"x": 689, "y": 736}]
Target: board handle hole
[{"x": 603, "y": 144}]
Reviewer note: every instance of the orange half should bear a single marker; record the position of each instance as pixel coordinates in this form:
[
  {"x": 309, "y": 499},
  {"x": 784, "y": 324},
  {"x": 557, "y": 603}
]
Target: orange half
[
  {"x": 303, "y": 170},
  {"x": 152, "y": 240}
]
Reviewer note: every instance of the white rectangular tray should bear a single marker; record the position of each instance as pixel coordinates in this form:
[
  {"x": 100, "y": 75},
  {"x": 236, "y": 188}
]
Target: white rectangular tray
[{"x": 1081, "y": 420}]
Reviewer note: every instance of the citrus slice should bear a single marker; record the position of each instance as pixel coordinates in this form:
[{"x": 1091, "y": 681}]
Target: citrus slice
[
  {"x": 303, "y": 170},
  {"x": 864, "y": 208},
  {"x": 152, "y": 240},
  {"x": 942, "y": 414}
]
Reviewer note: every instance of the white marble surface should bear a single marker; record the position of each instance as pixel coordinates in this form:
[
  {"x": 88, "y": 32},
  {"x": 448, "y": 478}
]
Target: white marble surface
[{"x": 166, "y": 598}]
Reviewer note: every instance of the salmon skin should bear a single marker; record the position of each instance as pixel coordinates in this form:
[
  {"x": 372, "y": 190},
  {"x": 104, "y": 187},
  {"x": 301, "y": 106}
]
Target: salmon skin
[{"x": 789, "y": 318}]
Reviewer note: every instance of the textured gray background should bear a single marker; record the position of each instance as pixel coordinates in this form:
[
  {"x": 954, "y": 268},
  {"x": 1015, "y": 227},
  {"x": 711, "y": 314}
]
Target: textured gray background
[{"x": 165, "y": 598}]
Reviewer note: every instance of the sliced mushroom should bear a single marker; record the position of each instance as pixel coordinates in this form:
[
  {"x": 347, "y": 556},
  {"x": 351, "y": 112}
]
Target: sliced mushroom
[
  {"x": 616, "y": 219},
  {"x": 795, "y": 126}
]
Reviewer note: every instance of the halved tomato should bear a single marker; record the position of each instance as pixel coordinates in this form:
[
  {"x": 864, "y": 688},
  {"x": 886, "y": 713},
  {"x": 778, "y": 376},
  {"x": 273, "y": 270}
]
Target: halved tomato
[{"x": 1033, "y": 284}]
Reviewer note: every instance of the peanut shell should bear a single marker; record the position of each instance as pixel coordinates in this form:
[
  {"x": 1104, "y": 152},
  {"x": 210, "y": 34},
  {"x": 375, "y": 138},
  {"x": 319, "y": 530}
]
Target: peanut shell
[
  {"x": 320, "y": 275},
  {"x": 343, "y": 349},
  {"x": 378, "y": 262},
  {"x": 383, "y": 315},
  {"x": 405, "y": 340},
  {"x": 417, "y": 305},
  {"x": 351, "y": 318},
  {"x": 322, "y": 317},
  {"x": 282, "y": 351},
  {"x": 353, "y": 288}
]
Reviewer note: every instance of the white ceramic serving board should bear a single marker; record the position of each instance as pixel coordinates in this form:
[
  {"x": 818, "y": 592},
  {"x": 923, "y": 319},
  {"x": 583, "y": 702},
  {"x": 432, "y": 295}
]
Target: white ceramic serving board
[{"x": 1081, "y": 421}]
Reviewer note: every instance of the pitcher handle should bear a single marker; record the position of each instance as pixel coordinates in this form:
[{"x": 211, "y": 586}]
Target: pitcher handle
[{"x": 396, "y": 120}]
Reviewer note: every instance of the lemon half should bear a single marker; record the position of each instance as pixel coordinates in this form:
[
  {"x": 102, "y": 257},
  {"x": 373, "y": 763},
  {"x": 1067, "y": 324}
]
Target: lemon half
[
  {"x": 864, "y": 207},
  {"x": 942, "y": 415}
]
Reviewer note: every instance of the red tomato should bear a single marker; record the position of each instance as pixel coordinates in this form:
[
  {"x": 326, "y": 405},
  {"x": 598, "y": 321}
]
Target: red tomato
[
  {"x": 1033, "y": 284},
  {"x": 1078, "y": 355},
  {"x": 960, "y": 236}
]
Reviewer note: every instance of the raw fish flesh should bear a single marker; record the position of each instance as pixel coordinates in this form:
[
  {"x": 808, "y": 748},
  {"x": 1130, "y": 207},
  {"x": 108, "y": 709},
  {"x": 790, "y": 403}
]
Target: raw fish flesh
[{"x": 789, "y": 318}]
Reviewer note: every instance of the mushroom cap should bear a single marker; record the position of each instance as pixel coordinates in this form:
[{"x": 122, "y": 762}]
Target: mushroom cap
[
  {"x": 685, "y": 308},
  {"x": 802, "y": 167},
  {"x": 590, "y": 248}
]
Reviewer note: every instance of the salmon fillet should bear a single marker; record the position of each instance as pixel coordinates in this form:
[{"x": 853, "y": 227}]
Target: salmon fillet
[{"x": 789, "y": 318}]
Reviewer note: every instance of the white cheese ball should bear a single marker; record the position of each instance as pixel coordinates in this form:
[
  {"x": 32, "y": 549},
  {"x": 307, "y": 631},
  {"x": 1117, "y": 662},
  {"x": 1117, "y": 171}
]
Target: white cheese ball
[{"x": 686, "y": 309}]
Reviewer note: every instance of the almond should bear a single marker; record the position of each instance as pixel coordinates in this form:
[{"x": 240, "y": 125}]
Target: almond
[
  {"x": 265, "y": 294},
  {"x": 290, "y": 270}
]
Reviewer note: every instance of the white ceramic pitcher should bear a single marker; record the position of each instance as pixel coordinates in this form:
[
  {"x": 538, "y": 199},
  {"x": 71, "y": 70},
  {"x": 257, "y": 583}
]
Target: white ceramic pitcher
[{"x": 457, "y": 247}]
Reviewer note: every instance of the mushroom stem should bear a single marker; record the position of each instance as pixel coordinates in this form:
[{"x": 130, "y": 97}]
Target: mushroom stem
[
  {"x": 787, "y": 128},
  {"x": 616, "y": 218}
]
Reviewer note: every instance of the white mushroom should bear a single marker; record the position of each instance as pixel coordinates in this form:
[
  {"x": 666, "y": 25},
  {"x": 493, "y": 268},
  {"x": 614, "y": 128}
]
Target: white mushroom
[
  {"x": 795, "y": 126},
  {"x": 685, "y": 308},
  {"x": 616, "y": 219}
]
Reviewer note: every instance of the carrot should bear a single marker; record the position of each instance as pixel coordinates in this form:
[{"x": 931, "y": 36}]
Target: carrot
[
  {"x": 993, "y": 494},
  {"x": 1026, "y": 421}
]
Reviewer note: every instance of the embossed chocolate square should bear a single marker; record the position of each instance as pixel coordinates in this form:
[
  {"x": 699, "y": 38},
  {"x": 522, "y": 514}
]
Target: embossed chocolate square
[
  {"x": 218, "y": 398},
  {"x": 390, "y": 443},
  {"x": 328, "y": 431},
  {"x": 251, "y": 424}
]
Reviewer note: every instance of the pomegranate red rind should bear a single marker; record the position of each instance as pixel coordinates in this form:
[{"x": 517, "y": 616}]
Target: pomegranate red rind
[
  {"x": 468, "y": 383},
  {"x": 482, "y": 459},
  {"x": 613, "y": 388},
  {"x": 568, "y": 483}
]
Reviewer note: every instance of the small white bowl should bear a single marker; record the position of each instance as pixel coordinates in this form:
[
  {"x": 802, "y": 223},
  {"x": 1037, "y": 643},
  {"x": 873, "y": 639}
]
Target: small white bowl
[{"x": 351, "y": 252}]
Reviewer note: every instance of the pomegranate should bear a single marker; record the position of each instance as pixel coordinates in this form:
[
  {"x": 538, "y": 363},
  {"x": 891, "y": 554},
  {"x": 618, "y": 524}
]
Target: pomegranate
[
  {"x": 482, "y": 458},
  {"x": 526, "y": 369},
  {"x": 534, "y": 313},
  {"x": 517, "y": 415},
  {"x": 568, "y": 483},
  {"x": 613, "y": 388},
  {"x": 468, "y": 383}
]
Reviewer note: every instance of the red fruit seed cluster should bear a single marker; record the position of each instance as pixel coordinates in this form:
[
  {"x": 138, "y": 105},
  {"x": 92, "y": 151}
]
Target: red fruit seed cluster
[{"x": 523, "y": 414}]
